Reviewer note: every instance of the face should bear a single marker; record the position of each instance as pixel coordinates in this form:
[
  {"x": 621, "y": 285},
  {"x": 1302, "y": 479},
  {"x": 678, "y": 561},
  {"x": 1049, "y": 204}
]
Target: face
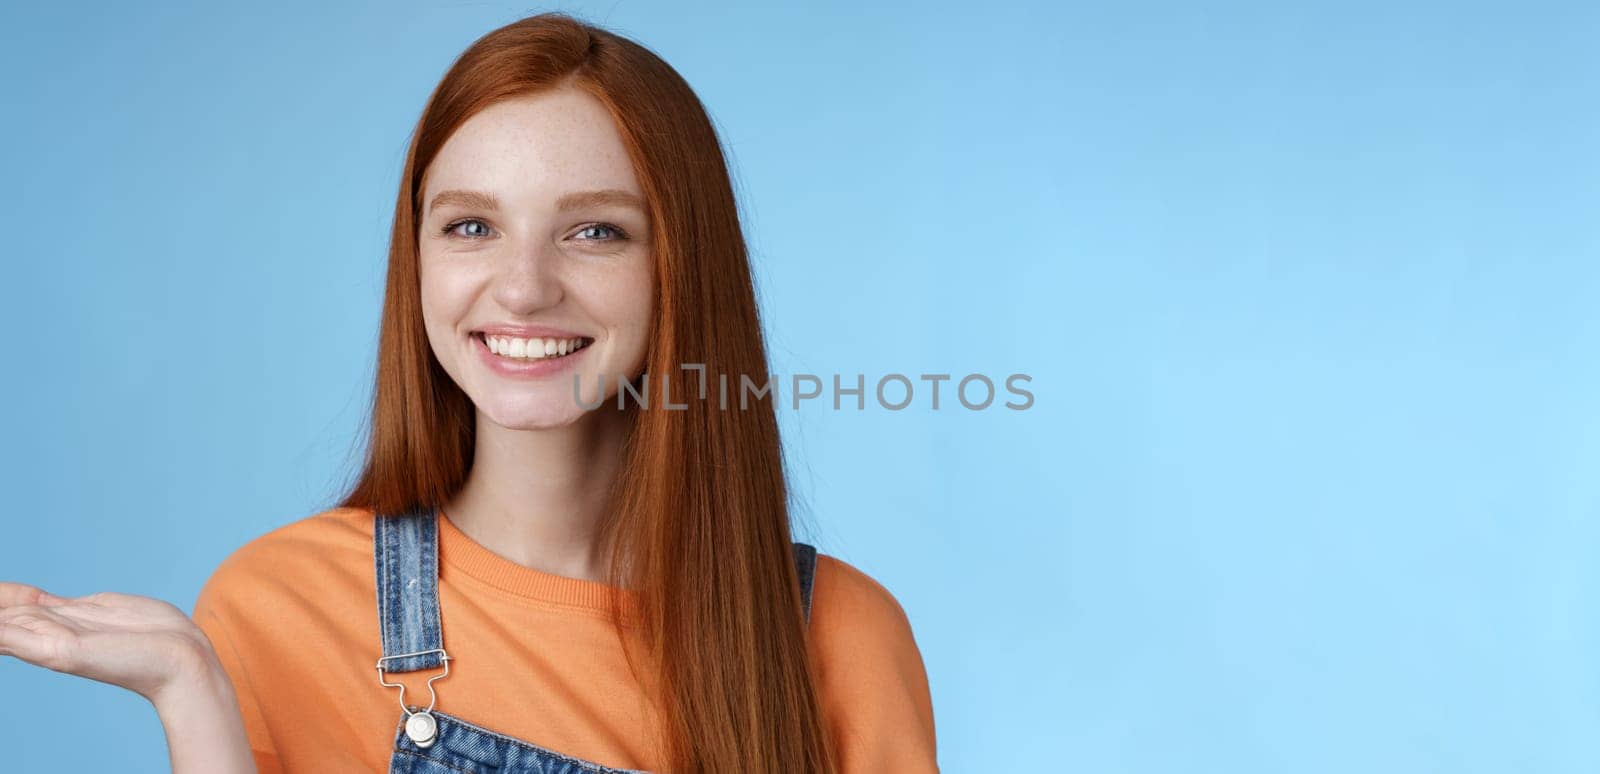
[{"x": 535, "y": 260}]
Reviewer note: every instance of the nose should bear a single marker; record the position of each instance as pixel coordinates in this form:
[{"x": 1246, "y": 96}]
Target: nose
[{"x": 529, "y": 278}]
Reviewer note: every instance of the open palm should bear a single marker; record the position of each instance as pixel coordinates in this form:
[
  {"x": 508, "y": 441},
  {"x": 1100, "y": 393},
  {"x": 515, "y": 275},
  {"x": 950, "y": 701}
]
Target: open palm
[{"x": 139, "y": 643}]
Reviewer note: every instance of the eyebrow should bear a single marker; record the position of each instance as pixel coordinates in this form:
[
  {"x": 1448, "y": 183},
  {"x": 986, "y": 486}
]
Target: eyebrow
[{"x": 575, "y": 200}]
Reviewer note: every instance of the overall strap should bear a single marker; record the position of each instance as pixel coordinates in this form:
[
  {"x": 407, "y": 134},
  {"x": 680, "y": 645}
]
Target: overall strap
[
  {"x": 406, "y": 560},
  {"x": 805, "y": 561}
]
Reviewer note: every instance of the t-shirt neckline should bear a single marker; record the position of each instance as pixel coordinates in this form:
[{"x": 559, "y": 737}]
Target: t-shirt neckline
[{"x": 457, "y": 549}]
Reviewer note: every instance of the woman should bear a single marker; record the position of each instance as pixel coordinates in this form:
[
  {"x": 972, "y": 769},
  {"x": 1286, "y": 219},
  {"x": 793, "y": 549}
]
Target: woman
[{"x": 564, "y": 553}]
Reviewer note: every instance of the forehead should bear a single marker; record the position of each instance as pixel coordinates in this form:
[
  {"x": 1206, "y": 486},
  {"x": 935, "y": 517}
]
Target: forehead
[{"x": 535, "y": 147}]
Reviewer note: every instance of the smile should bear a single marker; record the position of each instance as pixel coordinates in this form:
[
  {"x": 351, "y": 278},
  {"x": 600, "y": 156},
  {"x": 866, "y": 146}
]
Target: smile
[{"x": 513, "y": 348}]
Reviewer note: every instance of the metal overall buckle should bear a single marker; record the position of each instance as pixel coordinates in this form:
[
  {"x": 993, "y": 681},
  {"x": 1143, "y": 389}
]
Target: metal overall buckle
[{"x": 420, "y": 725}]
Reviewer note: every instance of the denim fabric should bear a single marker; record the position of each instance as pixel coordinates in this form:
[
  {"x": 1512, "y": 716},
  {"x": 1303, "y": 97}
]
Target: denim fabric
[
  {"x": 805, "y": 561},
  {"x": 406, "y": 561},
  {"x": 464, "y": 747},
  {"x": 406, "y": 556}
]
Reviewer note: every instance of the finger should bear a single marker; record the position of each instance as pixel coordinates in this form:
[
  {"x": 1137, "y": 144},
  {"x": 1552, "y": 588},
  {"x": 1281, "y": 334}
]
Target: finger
[
  {"x": 18, "y": 615},
  {"x": 34, "y": 640},
  {"x": 47, "y": 621},
  {"x": 18, "y": 594},
  {"x": 16, "y": 641},
  {"x": 38, "y": 596}
]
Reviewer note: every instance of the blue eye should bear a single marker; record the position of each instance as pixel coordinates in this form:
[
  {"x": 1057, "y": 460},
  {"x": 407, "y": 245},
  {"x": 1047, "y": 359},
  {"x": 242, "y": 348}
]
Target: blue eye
[
  {"x": 450, "y": 229},
  {"x": 481, "y": 230},
  {"x": 607, "y": 226}
]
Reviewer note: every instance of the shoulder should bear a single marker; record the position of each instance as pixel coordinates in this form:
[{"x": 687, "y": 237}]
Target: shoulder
[
  {"x": 321, "y": 552},
  {"x": 870, "y": 675},
  {"x": 306, "y": 581},
  {"x": 854, "y": 618},
  {"x": 842, "y": 594}
]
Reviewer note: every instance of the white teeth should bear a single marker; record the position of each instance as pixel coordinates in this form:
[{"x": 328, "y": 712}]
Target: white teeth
[{"x": 531, "y": 349}]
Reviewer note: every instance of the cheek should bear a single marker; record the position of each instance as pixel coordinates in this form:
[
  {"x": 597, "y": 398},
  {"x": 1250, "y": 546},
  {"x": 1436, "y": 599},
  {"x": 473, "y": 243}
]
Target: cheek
[
  {"x": 634, "y": 306},
  {"x": 443, "y": 287},
  {"x": 446, "y": 296},
  {"x": 644, "y": 300},
  {"x": 622, "y": 300}
]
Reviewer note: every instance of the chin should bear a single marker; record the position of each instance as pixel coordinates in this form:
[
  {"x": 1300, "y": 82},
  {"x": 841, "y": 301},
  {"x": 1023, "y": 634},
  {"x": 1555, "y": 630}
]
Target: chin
[
  {"x": 533, "y": 415},
  {"x": 535, "y": 422}
]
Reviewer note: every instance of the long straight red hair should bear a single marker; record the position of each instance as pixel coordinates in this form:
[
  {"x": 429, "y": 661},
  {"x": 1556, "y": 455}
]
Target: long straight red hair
[{"x": 699, "y": 524}]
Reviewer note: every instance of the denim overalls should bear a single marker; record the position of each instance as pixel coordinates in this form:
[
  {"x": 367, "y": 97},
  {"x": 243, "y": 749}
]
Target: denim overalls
[{"x": 426, "y": 741}]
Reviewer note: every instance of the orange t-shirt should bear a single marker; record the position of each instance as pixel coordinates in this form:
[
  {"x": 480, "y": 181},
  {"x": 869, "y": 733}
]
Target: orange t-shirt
[{"x": 294, "y": 619}]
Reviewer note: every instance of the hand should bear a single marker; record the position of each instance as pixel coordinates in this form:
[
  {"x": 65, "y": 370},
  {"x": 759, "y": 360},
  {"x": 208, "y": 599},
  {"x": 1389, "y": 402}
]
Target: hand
[
  {"x": 139, "y": 643},
  {"x": 142, "y": 644}
]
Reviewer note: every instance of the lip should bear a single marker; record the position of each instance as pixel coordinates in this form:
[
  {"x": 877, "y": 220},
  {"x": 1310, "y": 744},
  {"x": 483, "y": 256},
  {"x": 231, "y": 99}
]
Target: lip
[
  {"x": 531, "y": 369},
  {"x": 528, "y": 331}
]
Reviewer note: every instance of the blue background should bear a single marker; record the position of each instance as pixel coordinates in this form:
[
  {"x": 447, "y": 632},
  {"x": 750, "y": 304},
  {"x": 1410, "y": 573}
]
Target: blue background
[{"x": 1308, "y": 295}]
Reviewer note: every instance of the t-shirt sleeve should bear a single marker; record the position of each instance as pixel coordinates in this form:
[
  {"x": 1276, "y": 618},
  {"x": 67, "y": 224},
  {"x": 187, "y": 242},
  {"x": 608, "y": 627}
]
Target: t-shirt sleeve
[
  {"x": 211, "y": 612},
  {"x": 872, "y": 682}
]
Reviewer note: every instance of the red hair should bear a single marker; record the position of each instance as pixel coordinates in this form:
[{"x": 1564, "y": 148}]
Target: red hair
[{"x": 699, "y": 523}]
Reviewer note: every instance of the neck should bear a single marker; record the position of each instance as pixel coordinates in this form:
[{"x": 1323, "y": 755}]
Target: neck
[{"x": 538, "y": 497}]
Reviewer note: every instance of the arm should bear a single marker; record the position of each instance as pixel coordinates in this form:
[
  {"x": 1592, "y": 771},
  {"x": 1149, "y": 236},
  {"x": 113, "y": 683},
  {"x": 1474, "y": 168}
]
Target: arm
[
  {"x": 200, "y": 714},
  {"x": 146, "y": 646},
  {"x": 871, "y": 678}
]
